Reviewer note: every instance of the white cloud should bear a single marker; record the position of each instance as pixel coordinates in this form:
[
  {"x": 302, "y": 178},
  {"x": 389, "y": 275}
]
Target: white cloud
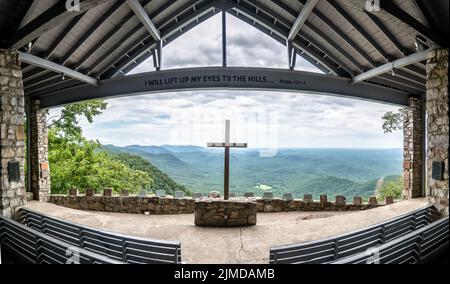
[{"x": 297, "y": 120}]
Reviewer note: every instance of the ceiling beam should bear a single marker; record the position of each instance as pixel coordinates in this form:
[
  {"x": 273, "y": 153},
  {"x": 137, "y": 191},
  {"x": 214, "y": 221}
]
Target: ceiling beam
[
  {"x": 276, "y": 80},
  {"x": 94, "y": 27},
  {"x": 142, "y": 15},
  {"x": 341, "y": 11},
  {"x": 46, "y": 64},
  {"x": 54, "y": 16},
  {"x": 406, "y": 18},
  {"x": 394, "y": 41},
  {"x": 167, "y": 33},
  {"x": 399, "y": 63},
  {"x": 302, "y": 17}
]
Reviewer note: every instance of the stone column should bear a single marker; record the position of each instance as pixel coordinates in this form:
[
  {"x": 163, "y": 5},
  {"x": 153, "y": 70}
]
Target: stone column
[
  {"x": 40, "y": 170},
  {"x": 413, "y": 149},
  {"x": 12, "y": 146},
  {"x": 437, "y": 127}
]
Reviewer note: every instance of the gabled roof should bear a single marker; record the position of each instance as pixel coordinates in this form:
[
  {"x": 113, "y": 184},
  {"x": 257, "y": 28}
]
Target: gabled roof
[{"x": 106, "y": 39}]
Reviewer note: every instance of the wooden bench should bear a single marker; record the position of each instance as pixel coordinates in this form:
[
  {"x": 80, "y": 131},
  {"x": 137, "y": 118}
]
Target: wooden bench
[
  {"x": 419, "y": 246},
  {"x": 20, "y": 244},
  {"x": 117, "y": 246},
  {"x": 334, "y": 248}
]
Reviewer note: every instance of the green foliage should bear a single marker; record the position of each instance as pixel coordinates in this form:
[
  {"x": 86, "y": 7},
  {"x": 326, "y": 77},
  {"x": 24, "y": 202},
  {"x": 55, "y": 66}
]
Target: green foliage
[
  {"x": 393, "y": 121},
  {"x": 77, "y": 162},
  {"x": 391, "y": 187},
  {"x": 350, "y": 172},
  {"x": 66, "y": 124},
  {"x": 161, "y": 181}
]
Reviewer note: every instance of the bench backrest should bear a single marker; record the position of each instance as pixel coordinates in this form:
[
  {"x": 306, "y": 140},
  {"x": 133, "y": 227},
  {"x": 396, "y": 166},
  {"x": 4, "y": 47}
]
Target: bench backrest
[
  {"x": 25, "y": 245},
  {"x": 331, "y": 249},
  {"x": 121, "y": 247},
  {"x": 418, "y": 246}
]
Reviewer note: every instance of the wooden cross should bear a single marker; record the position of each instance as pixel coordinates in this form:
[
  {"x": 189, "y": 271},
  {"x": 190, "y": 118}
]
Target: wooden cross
[{"x": 227, "y": 145}]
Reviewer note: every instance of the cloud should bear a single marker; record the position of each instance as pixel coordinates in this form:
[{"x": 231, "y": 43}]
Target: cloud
[{"x": 260, "y": 118}]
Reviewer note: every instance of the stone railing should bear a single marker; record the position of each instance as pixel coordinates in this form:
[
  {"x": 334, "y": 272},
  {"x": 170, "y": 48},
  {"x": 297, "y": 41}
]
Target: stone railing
[
  {"x": 126, "y": 204},
  {"x": 168, "y": 205}
]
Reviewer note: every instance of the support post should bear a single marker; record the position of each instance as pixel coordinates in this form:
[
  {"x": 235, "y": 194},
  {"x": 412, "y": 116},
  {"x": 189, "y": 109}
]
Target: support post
[
  {"x": 413, "y": 133},
  {"x": 39, "y": 165},
  {"x": 224, "y": 39},
  {"x": 438, "y": 130},
  {"x": 12, "y": 122}
]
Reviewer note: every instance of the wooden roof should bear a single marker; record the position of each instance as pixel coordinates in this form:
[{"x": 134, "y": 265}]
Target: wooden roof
[{"x": 105, "y": 39}]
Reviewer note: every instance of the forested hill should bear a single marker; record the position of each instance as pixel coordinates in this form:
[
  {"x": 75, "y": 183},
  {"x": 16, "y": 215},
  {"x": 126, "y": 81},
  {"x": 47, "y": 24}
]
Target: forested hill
[
  {"x": 161, "y": 181},
  {"x": 350, "y": 172}
]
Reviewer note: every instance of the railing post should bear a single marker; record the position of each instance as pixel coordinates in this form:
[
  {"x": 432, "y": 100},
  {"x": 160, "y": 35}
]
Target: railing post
[{"x": 383, "y": 234}]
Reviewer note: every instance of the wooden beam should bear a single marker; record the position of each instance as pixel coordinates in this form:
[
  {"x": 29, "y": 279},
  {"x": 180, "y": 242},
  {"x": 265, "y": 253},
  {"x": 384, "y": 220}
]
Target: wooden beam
[
  {"x": 54, "y": 16},
  {"x": 302, "y": 17},
  {"x": 399, "y": 63},
  {"x": 46, "y": 64},
  {"x": 142, "y": 15}
]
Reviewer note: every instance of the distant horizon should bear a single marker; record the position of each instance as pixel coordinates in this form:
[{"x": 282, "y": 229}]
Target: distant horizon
[{"x": 253, "y": 148}]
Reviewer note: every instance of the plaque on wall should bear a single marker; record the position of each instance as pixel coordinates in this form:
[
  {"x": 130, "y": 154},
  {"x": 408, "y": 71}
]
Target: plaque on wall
[
  {"x": 437, "y": 171},
  {"x": 13, "y": 171}
]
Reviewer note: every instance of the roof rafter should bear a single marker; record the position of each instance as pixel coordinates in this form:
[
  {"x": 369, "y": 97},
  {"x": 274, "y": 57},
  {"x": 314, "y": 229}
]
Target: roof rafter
[
  {"x": 46, "y": 64},
  {"x": 399, "y": 63},
  {"x": 50, "y": 18},
  {"x": 359, "y": 29},
  {"x": 389, "y": 7},
  {"x": 142, "y": 15},
  {"x": 90, "y": 31},
  {"x": 165, "y": 33},
  {"x": 302, "y": 17}
]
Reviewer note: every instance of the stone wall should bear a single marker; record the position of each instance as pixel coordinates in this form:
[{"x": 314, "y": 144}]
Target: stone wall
[
  {"x": 40, "y": 170},
  {"x": 12, "y": 120},
  {"x": 413, "y": 149},
  {"x": 279, "y": 205},
  {"x": 168, "y": 205},
  {"x": 438, "y": 127},
  {"x": 130, "y": 204}
]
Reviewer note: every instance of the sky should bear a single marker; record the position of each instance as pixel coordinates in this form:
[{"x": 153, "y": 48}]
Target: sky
[{"x": 261, "y": 119}]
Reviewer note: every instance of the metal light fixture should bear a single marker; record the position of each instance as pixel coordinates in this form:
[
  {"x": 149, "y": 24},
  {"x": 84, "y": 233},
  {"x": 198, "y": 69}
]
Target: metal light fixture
[
  {"x": 393, "y": 69},
  {"x": 420, "y": 43},
  {"x": 29, "y": 46},
  {"x": 63, "y": 76}
]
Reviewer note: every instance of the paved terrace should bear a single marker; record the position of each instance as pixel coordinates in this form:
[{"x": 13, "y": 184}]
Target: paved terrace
[{"x": 232, "y": 245}]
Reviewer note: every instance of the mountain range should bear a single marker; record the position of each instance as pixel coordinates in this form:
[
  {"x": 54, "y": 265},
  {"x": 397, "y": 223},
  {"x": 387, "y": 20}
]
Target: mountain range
[{"x": 350, "y": 172}]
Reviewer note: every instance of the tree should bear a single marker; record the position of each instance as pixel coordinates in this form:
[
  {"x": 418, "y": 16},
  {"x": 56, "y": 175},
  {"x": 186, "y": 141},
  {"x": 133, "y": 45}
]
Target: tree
[
  {"x": 391, "y": 188},
  {"x": 393, "y": 121},
  {"x": 78, "y": 163},
  {"x": 66, "y": 124}
]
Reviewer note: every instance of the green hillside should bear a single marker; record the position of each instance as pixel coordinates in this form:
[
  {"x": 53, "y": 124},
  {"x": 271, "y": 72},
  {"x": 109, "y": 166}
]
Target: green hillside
[
  {"x": 161, "y": 181},
  {"x": 350, "y": 172}
]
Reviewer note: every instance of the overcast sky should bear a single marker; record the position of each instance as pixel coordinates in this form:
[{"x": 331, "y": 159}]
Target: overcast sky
[{"x": 263, "y": 119}]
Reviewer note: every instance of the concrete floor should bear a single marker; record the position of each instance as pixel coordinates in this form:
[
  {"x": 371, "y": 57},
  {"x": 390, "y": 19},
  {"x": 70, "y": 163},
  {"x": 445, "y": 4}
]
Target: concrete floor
[{"x": 232, "y": 245}]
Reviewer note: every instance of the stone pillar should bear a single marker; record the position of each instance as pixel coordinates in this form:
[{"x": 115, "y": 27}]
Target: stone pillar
[
  {"x": 12, "y": 146},
  {"x": 40, "y": 170},
  {"x": 437, "y": 127},
  {"x": 413, "y": 149}
]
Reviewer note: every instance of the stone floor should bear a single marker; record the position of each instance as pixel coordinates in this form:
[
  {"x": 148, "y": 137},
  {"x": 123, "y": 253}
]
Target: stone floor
[{"x": 232, "y": 245}]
